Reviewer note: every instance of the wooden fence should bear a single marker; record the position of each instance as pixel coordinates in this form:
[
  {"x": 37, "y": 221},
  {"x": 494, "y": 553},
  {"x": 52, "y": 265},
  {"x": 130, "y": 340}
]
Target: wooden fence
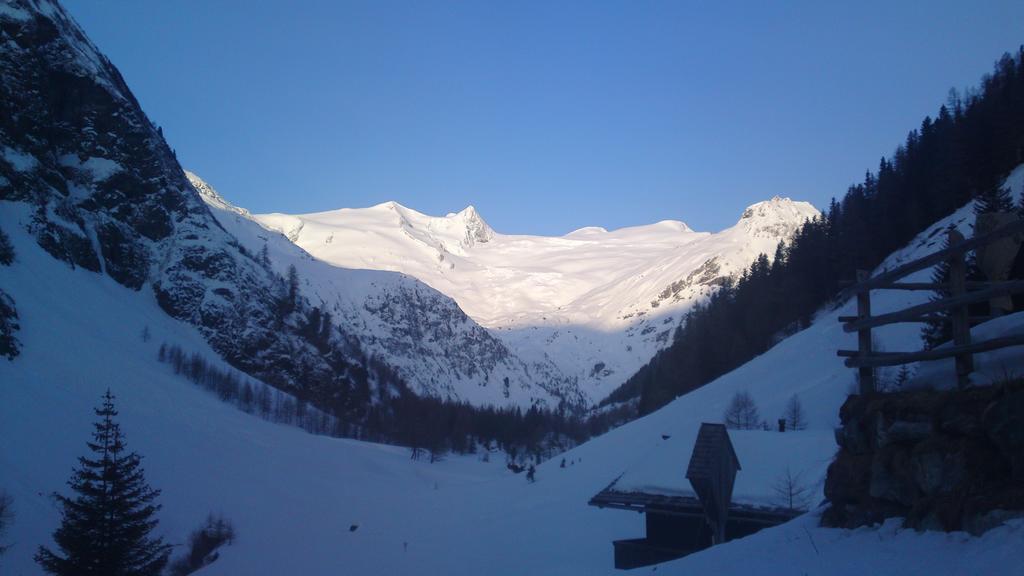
[{"x": 961, "y": 294}]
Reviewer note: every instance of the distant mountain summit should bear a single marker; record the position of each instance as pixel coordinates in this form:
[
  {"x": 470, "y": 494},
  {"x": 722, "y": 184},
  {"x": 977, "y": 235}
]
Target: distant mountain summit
[
  {"x": 596, "y": 303},
  {"x": 776, "y": 218}
]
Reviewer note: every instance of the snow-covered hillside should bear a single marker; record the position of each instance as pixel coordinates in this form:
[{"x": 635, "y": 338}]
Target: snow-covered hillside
[
  {"x": 596, "y": 303},
  {"x": 294, "y": 497},
  {"x": 419, "y": 332}
]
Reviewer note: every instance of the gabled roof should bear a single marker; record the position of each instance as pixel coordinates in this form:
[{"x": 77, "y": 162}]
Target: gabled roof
[
  {"x": 712, "y": 440},
  {"x": 685, "y": 506}
]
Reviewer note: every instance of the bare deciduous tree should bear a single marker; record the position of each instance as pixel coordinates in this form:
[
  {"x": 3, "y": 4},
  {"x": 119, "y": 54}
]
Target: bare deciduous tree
[
  {"x": 792, "y": 492},
  {"x": 794, "y": 415},
  {"x": 742, "y": 412}
]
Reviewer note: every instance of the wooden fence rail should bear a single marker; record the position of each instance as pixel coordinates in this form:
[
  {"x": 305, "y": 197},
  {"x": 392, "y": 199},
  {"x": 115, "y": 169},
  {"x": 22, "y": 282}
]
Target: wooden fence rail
[{"x": 961, "y": 293}]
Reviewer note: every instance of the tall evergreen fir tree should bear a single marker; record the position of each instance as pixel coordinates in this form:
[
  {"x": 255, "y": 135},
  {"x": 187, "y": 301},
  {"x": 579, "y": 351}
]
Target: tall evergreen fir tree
[
  {"x": 937, "y": 328},
  {"x": 105, "y": 527}
]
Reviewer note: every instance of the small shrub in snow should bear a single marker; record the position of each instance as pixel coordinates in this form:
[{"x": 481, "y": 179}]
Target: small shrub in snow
[{"x": 203, "y": 545}]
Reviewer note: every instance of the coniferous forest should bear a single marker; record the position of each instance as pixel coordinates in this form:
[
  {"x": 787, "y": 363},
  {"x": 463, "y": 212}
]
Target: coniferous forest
[
  {"x": 964, "y": 152},
  {"x": 430, "y": 427}
]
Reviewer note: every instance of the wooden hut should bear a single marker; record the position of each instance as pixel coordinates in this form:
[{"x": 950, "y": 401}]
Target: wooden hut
[{"x": 680, "y": 520}]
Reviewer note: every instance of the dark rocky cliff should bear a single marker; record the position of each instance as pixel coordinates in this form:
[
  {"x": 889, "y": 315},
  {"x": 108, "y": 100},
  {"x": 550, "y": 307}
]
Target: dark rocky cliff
[{"x": 944, "y": 460}]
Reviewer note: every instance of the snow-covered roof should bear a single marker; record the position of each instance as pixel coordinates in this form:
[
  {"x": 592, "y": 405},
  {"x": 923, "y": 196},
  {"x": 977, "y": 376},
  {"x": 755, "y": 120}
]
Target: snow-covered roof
[{"x": 765, "y": 457}]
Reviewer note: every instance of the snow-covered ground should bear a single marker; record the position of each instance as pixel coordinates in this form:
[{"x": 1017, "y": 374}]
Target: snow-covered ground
[
  {"x": 294, "y": 497},
  {"x": 596, "y": 303}
]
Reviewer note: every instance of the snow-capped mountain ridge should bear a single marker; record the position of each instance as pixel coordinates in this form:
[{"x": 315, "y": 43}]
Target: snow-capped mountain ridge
[
  {"x": 590, "y": 298},
  {"x": 211, "y": 197},
  {"x": 378, "y": 233}
]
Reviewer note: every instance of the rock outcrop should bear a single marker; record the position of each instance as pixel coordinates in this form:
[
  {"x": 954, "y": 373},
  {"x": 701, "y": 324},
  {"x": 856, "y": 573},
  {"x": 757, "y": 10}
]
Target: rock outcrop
[{"x": 950, "y": 460}]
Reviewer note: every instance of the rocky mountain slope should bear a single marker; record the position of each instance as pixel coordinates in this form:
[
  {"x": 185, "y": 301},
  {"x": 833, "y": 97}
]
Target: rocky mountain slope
[
  {"x": 596, "y": 303},
  {"x": 101, "y": 190},
  {"x": 419, "y": 332}
]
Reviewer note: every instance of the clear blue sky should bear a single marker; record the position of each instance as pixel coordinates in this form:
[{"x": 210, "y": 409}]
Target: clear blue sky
[{"x": 547, "y": 116}]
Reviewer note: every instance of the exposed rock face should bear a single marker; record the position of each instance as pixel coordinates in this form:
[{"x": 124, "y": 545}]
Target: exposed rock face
[
  {"x": 1003, "y": 423},
  {"x": 707, "y": 274},
  {"x": 944, "y": 460},
  {"x": 477, "y": 231},
  {"x": 109, "y": 196}
]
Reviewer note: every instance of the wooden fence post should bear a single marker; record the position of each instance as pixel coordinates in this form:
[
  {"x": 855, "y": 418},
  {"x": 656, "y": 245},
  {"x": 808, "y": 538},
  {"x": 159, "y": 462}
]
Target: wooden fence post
[
  {"x": 866, "y": 373},
  {"x": 958, "y": 314}
]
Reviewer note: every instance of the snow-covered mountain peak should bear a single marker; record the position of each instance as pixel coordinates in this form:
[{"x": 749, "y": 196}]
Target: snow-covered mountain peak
[
  {"x": 675, "y": 225},
  {"x": 778, "y": 217},
  {"x": 477, "y": 230},
  {"x": 587, "y": 231},
  {"x": 779, "y": 208},
  {"x": 210, "y": 195}
]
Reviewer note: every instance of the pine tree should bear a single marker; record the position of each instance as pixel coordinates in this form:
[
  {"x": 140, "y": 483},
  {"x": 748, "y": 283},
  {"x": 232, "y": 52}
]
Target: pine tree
[
  {"x": 937, "y": 328},
  {"x": 902, "y": 378},
  {"x": 105, "y": 528},
  {"x": 293, "y": 287},
  {"x": 264, "y": 257},
  {"x": 994, "y": 200},
  {"x": 6, "y": 250}
]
